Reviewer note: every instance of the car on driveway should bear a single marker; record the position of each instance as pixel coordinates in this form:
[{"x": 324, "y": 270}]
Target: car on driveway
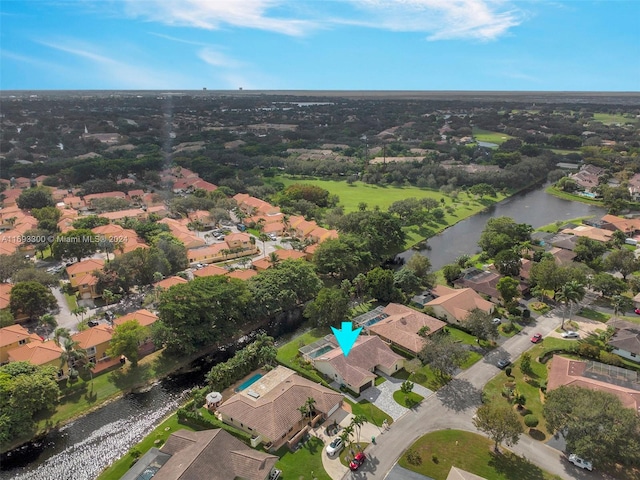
[
  {"x": 537, "y": 338},
  {"x": 496, "y": 321},
  {"x": 335, "y": 447},
  {"x": 570, "y": 334},
  {"x": 503, "y": 363},
  {"x": 637, "y": 310},
  {"x": 357, "y": 461},
  {"x": 579, "y": 462}
]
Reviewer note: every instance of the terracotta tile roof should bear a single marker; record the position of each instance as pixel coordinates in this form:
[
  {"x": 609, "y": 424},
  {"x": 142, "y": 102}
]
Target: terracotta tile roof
[
  {"x": 214, "y": 455},
  {"x": 459, "y": 301},
  {"x": 564, "y": 371},
  {"x": 623, "y": 224},
  {"x": 88, "y": 279},
  {"x": 143, "y": 316},
  {"x": 15, "y": 333},
  {"x": 599, "y": 234},
  {"x": 366, "y": 354},
  {"x": 36, "y": 352},
  {"x": 170, "y": 282},
  {"x": 264, "y": 263},
  {"x": 115, "y": 194},
  {"x": 93, "y": 336},
  {"x": 85, "y": 266},
  {"x": 402, "y": 325},
  {"x": 242, "y": 274},
  {"x": 281, "y": 392},
  {"x": 209, "y": 271},
  {"x": 238, "y": 237},
  {"x": 5, "y": 295},
  {"x": 118, "y": 214}
]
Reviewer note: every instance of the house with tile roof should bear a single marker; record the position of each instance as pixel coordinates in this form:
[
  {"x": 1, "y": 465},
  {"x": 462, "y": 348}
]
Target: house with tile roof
[
  {"x": 626, "y": 339},
  {"x": 594, "y": 233},
  {"x": 234, "y": 246},
  {"x": 254, "y": 206},
  {"x": 190, "y": 455},
  {"x": 264, "y": 263},
  {"x": 399, "y": 325},
  {"x": 242, "y": 274},
  {"x": 182, "y": 233},
  {"x": 81, "y": 277},
  {"x": 42, "y": 354},
  {"x": 628, "y": 226},
  {"x": 96, "y": 342},
  {"x": 14, "y": 336},
  {"x": 357, "y": 370},
  {"x": 119, "y": 215},
  {"x": 589, "y": 374},
  {"x": 145, "y": 318},
  {"x": 268, "y": 409},
  {"x": 209, "y": 271},
  {"x": 455, "y": 304}
]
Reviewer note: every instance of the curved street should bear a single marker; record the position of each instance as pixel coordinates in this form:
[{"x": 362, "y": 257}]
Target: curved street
[{"x": 453, "y": 406}]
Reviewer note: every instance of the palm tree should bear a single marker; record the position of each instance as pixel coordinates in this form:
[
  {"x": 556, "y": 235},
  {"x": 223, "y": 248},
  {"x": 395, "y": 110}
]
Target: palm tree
[
  {"x": 303, "y": 412},
  {"x": 311, "y": 406},
  {"x": 357, "y": 422},
  {"x": 59, "y": 333},
  {"x": 89, "y": 366},
  {"x": 264, "y": 238},
  {"x": 48, "y": 321},
  {"x": 72, "y": 354},
  {"x": 273, "y": 258},
  {"x": 79, "y": 312},
  {"x": 569, "y": 293}
]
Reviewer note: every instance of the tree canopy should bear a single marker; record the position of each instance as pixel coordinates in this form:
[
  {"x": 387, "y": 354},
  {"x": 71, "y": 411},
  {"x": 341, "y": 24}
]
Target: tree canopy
[
  {"x": 503, "y": 233},
  {"x": 500, "y": 422},
  {"x": 126, "y": 339},
  {"x": 32, "y": 299},
  {"x": 38, "y": 197},
  {"x": 443, "y": 354},
  {"x": 329, "y": 308}
]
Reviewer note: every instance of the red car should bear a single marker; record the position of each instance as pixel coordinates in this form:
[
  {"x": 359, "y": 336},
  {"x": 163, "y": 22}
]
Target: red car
[
  {"x": 357, "y": 461},
  {"x": 637, "y": 310},
  {"x": 537, "y": 338}
]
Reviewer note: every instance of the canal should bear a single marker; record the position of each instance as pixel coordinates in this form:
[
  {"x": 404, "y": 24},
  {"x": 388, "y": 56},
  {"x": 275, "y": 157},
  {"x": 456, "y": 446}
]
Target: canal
[{"x": 535, "y": 207}]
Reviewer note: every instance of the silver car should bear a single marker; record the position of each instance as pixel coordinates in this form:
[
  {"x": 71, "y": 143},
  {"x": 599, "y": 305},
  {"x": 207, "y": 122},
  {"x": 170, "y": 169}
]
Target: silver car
[{"x": 335, "y": 447}]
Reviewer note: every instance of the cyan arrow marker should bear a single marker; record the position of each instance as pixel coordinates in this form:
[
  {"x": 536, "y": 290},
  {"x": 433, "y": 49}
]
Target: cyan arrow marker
[{"x": 346, "y": 337}]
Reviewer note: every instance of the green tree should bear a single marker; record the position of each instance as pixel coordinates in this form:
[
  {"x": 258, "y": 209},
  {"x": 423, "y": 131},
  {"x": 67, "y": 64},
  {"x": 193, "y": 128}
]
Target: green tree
[
  {"x": 443, "y": 354},
  {"x": 480, "y": 324},
  {"x": 39, "y": 239},
  {"x": 622, "y": 261},
  {"x": 608, "y": 285},
  {"x": 508, "y": 289},
  {"x": 525, "y": 363},
  {"x": 420, "y": 265},
  {"x": 32, "y": 299},
  {"x": 589, "y": 251},
  {"x": 499, "y": 422},
  {"x": 89, "y": 222},
  {"x": 6, "y": 318},
  {"x": 508, "y": 262},
  {"x": 595, "y": 425},
  {"x": 570, "y": 293},
  {"x": 38, "y": 197},
  {"x": 381, "y": 285},
  {"x": 503, "y": 233},
  {"x": 32, "y": 274},
  {"x": 76, "y": 244},
  {"x": 126, "y": 340},
  {"x": 10, "y": 264},
  {"x": 343, "y": 257},
  {"x": 330, "y": 308},
  {"x": 621, "y": 304},
  {"x": 451, "y": 272},
  {"x": 407, "y": 281}
]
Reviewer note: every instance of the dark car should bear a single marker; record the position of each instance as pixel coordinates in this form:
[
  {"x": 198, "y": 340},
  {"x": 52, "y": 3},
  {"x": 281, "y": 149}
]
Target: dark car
[
  {"x": 503, "y": 363},
  {"x": 93, "y": 323},
  {"x": 537, "y": 338},
  {"x": 357, "y": 461}
]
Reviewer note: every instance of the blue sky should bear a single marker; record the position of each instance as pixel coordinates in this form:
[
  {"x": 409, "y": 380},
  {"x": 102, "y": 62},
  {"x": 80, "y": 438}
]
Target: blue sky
[{"x": 320, "y": 44}]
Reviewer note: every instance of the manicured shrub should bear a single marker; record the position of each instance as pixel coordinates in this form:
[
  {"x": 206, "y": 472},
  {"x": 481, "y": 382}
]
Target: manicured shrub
[{"x": 531, "y": 421}]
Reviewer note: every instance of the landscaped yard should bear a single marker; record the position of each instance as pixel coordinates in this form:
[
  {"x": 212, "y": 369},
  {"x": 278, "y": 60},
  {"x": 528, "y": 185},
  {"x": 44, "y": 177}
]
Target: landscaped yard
[
  {"x": 439, "y": 451},
  {"x": 303, "y": 464},
  {"x": 72, "y": 301},
  {"x": 491, "y": 137},
  {"x": 407, "y": 401},
  {"x": 370, "y": 411},
  {"x": 288, "y": 354}
]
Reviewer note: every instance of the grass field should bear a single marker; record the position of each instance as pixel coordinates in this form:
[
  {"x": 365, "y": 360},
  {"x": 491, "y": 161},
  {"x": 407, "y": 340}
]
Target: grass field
[
  {"x": 288, "y": 353},
  {"x": 303, "y": 464},
  {"x": 374, "y": 414},
  {"x": 492, "y": 137},
  {"x": 609, "y": 118},
  {"x": 439, "y": 451},
  {"x": 407, "y": 401}
]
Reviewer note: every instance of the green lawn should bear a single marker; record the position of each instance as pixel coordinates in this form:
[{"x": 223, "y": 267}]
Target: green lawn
[
  {"x": 439, "y": 451},
  {"x": 288, "y": 354},
  {"x": 347, "y": 454},
  {"x": 374, "y": 414},
  {"x": 568, "y": 196},
  {"x": 609, "y": 118},
  {"x": 407, "y": 401},
  {"x": 72, "y": 301},
  {"x": 304, "y": 464},
  {"x": 488, "y": 136},
  {"x": 380, "y": 380},
  {"x": 593, "y": 314},
  {"x": 160, "y": 434}
]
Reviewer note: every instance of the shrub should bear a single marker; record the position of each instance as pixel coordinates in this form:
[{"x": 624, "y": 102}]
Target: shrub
[
  {"x": 414, "y": 457},
  {"x": 434, "y": 458},
  {"x": 135, "y": 452},
  {"x": 610, "y": 359},
  {"x": 531, "y": 421},
  {"x": 508, "y": 371},
  {"x": 589, "y": 351}
]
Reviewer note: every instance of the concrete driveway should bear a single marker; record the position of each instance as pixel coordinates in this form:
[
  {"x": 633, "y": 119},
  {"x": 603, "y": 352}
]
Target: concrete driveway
[
  {"x": 65, "y": 318},
  {"x": 382, "y": 396},
  {"x": 453, "y": 406}
]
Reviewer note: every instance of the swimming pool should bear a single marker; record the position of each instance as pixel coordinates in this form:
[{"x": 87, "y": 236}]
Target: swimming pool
[
  {"x": 321, "y": 351},
  {"x": 246, "y": 384}
]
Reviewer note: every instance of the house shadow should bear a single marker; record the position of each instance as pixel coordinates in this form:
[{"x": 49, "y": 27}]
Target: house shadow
[{"x": 459, "y": 395}]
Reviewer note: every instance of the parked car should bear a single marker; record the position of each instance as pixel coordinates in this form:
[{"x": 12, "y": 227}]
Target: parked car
[
  {"x": 537, "y": 338},
  {"x": 335, "y": 447},
  {"x": 357, "y": 461},
  {"x": 275, "y": 474},
  {"x": 93, "y": 323},
  {"x": 273, "y": 236},
  {"x": 579, "y": 462},
  {"x": 637, "y": 311},
  {"x": 570, "y": 334},
  {"x": 496, "y": 321},
  {"x": 503, "y": 363}
]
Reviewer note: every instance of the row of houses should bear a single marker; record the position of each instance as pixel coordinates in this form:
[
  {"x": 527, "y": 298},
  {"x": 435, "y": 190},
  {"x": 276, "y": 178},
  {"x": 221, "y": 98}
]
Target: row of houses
[{"x": 18, "y": 345}]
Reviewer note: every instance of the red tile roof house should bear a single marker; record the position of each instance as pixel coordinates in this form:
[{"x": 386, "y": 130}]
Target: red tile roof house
[
  {"x": 96, "y": 341},
  {"x": 356, "y": 371},
  {"x": 268, "y": 409},
  {"x": 455, "y": 304},
  {"x": 484, "y": 283},
  {"x": 400, "y": 325},
  {"x": 81, "y": 277},
  {"x": 212, "y": 454},
  {"x": 564, "y": 371},
  {"x": 146, "y": 319}
]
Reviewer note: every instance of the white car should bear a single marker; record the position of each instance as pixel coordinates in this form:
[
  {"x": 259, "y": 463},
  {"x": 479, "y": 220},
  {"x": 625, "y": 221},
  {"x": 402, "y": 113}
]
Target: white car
[
  {"x": 579, "y": 462},
  {"x": 570, "y": 334},
  {"x": 496, "y": 321},
  {"x": 335, "y": 447}
]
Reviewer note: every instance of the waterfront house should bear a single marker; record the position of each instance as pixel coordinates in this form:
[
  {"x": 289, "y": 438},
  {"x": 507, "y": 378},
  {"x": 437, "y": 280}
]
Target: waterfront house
[
  {"x": 14, "y": 336},
  {"x": 455, "y": 304}
]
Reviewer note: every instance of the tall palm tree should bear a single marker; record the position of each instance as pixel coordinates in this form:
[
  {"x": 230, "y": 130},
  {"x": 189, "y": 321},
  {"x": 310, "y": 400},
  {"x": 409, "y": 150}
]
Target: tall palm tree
[
  {"x": 357, "y": 422},
  {"x": 273, "y": 258},
  {"x": 569, "y": 293},
  {"x": 264, "y": 238},
  {"x": 61, "y": 333},
  {"x": 311, "y": 406}
]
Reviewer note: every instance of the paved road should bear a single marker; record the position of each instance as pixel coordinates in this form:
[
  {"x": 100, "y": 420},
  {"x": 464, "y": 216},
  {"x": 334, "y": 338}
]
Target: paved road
[
  {"x": 65, "y": 318},
  {"x": 453, "y": 406}
]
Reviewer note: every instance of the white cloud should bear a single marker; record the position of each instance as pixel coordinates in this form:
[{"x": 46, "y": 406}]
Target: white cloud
[
  {"x": 214, "y": 14},
  {"x": 218, "y": 59},
  {"x": 443, "y": 19}
]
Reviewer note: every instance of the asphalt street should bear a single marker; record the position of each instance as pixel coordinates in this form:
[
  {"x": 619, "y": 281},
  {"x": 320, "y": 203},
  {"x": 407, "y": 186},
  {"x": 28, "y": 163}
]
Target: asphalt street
[{"x": 453, "y": 406}]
